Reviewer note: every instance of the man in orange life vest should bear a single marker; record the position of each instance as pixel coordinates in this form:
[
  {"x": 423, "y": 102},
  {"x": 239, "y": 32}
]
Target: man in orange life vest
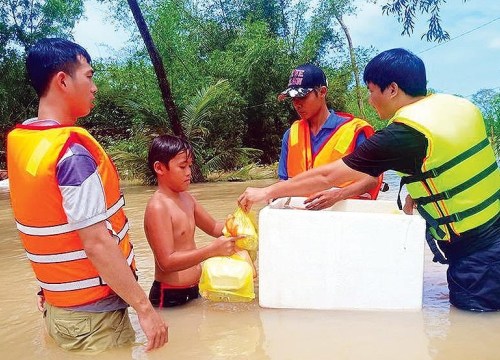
[
  {"x": 320, "y": 136},
  {"x": 68, "y": 209}
]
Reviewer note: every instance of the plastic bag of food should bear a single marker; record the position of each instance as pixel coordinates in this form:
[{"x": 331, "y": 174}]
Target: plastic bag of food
[
  {"x": 227, "y": 279},
  {"x": 241, "y": 223}
]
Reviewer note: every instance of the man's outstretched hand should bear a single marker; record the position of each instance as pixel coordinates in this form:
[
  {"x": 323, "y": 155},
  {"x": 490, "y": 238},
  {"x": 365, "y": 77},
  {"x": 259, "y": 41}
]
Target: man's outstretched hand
[{"x": 252, "y": 196}]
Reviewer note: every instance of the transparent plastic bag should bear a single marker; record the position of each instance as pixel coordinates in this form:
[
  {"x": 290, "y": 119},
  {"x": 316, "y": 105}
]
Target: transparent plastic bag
[
  {"x": 241, "y": 223},
  {"x": 230, "y": 278},
  {"x": 227, "y": 279}
]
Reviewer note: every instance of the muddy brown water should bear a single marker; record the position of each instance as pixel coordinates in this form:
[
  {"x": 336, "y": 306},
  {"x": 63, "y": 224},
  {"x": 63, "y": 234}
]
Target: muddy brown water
[{"x": 206, "y": 330}]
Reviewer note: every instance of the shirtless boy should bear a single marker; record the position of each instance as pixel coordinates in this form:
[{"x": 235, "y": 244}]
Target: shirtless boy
[{"x": 170, "y": 220}]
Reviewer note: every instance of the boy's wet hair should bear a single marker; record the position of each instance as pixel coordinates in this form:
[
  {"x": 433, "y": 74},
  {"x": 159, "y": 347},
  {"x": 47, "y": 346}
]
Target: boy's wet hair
[
  {"x": 49, "y": 56},
  {"x": 400, "y": 66},
  {"x": 165, "y": 147}
]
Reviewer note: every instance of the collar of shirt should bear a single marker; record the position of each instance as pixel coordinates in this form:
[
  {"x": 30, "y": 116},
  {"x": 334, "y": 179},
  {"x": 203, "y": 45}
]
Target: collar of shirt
[
  {"x": 331, "y": 123},
  {"x": 36, "y": 122}
]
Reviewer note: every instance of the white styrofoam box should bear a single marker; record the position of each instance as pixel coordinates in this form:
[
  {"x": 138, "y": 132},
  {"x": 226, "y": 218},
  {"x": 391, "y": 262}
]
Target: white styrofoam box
[{"x": 358, "y": 254}]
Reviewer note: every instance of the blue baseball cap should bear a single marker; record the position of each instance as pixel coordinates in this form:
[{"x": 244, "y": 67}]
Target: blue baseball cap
[{"x": 303, "y": 80}]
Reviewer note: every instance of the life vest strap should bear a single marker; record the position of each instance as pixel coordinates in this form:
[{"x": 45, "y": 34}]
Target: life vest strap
[
  {"x": 431, "y": 221},
  {"x": 445, "y": 195},
  {"x": 469, "y": 212},
  {"x": 438, "y": 255},
  {"x": 433, "y": 173},
  {"x": 398, "y": 201},
  {"x": 435, "y": 223}
]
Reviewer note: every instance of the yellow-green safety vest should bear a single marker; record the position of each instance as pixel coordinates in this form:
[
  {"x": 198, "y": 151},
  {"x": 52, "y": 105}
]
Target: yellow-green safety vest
[{"x": 458, "y": 186}]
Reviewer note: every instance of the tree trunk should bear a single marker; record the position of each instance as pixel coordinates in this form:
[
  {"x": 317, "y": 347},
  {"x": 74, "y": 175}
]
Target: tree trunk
[
  {"x": 354, "y": 66},
  {"x": 163, "y": 83}
]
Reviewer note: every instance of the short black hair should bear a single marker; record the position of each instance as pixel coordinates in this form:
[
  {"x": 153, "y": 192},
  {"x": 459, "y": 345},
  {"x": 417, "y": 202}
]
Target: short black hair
[
  {"x": 400, "y": 66},
  {"x": 165, "y": 147},
  {"x": 48, "y": 56}
]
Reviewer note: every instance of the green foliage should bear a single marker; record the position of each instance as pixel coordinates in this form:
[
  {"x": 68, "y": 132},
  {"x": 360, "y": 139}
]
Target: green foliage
[
  {"x": 253, "y": 44},
  {"x": 24, "y": 22},
  {"x": 407, "y": 12},
  {"x": 254, "y": 64},
  {"x": 488, "y": 100},
  {"x": 232, "y": 14},
  {"x": 247, "y": 172},
  {"x": 226, "y": 62},
  {"x": 18, "y": 100},
  {"x": 125, "y": 83},
  {"x": 131, "y": 157},
  {"x": 197, "y": 121}
]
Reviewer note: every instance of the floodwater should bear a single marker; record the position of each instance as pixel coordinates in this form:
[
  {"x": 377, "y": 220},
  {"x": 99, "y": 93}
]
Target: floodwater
[{"x": 206, "y": 330}]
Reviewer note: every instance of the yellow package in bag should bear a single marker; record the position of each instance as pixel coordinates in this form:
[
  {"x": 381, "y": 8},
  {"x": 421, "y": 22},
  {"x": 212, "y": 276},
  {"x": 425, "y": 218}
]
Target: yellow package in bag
[
  {"x": 241, "y": 223},
  {"x": 227, "y": 279}
]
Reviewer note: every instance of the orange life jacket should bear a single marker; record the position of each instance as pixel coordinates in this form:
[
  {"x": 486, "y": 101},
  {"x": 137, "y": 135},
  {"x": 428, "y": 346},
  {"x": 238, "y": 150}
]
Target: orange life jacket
[
  {"x": 340, "y": 143},
  {"x": 53, "y": 246}
]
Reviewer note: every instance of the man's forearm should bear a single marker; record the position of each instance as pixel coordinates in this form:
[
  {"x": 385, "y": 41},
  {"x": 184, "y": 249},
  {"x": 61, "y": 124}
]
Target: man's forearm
[
  {"x": 314, "y": 180},
  {"x": 111, "y": 265},
  {"x": 184, "y": 259},
  {"x": 359, "y": 187}
]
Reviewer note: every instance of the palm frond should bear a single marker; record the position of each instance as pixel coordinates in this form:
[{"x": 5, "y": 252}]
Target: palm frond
[
  {"x": 237, "y": 157},
  {"x": 131, "y": 155},
  {"x": 148, "y": 115},
  {"x": 197, "y": 113}
]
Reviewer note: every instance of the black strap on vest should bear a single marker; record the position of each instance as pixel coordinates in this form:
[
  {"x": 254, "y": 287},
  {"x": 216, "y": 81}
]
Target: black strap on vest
[
  {"x": 401, "y": 183},
  {"x": 425, "y": 215},
  {"x": 433, "y": 223},
  {"x": 459, "y": 188},
  {"x": 432, "y": 173},
  {"x": 438, "y": 255},
  {"x": 469, "y": 212}
]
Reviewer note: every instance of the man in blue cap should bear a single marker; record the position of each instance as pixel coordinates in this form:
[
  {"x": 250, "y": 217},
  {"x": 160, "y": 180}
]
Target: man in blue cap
[
  {"x": 321, "y": 135},
  {"x": 439, "y": 145}
]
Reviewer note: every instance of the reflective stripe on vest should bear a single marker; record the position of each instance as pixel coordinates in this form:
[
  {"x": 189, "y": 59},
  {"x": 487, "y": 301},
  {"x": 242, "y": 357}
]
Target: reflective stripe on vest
[
  {"x": 458, "y": 186},
  {"x": 341, "y": 142},
  {"x": 73, "y": 255},
  {"x": 65, "y": 228},
  {"x": 80, "y": 284},
  {"x": 121, "y": 234}
]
